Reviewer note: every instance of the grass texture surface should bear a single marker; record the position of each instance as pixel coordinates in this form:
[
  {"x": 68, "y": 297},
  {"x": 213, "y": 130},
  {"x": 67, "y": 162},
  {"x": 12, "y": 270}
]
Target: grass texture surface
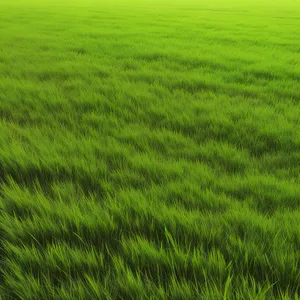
[{"x": 149, "y": 150}]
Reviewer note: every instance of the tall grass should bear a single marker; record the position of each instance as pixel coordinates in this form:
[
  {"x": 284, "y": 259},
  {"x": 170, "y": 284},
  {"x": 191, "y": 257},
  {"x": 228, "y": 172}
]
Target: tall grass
[{"x": 149, "y": 150}]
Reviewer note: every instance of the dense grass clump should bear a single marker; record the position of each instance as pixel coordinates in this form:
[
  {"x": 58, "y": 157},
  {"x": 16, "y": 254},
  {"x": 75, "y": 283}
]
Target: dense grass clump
[{"x": 149, "y": 150}]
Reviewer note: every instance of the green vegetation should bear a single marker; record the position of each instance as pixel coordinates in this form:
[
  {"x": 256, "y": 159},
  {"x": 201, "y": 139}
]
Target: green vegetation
[{"x": 149, "y": 150}]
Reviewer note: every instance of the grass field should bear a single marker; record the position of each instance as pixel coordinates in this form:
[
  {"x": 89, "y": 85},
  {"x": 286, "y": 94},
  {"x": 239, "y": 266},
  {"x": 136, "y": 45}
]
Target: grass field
[{"x": 149, "y": 149}]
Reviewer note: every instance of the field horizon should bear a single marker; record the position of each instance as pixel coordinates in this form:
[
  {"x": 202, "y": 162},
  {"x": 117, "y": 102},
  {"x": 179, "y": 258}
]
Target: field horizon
[{"x": 149, "y": 149}]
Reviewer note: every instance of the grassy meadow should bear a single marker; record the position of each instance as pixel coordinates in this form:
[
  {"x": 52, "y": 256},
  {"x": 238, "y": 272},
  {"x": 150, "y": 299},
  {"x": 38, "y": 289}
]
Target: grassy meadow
[{"x": 149, "y": 149}]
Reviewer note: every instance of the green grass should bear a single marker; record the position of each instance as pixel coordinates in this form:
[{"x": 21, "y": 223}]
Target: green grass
[{"x": 149, "y": 150}]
